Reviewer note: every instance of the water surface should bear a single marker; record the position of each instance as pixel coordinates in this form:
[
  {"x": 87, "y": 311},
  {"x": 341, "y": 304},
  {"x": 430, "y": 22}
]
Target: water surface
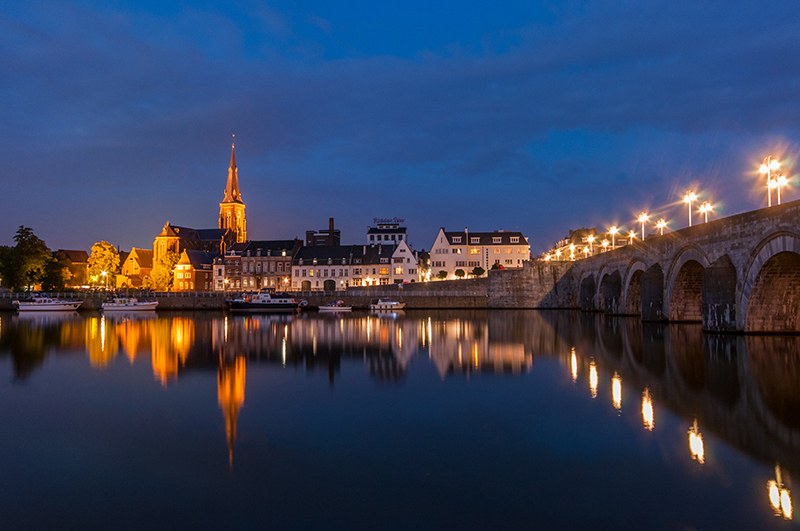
[{"x": 423, "y": 420}]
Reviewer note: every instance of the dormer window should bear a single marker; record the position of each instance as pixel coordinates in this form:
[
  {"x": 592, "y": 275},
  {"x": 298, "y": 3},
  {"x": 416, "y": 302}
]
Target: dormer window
[
  {"x": 497, "y": 239},
  {"x": 475, "y": 239},
  {"x": 514, "y": 239},
  {"x": 456, "y": 239},
  {"x": 301, "y": 261},
  {"x": 330, "y": 261},
  {"x": 258, "y": 252},
  {"x": 315, "y": 261},
  {"x": 344, "y": 261}
]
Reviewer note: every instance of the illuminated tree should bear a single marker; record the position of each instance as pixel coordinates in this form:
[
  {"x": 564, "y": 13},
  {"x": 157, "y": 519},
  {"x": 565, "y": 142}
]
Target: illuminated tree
[
  {"x": 442, "y": 275},
  {"x": 103, "y": 259},
  {"x": 161, "y": 277},
  {"x": 460, "y": 273}
]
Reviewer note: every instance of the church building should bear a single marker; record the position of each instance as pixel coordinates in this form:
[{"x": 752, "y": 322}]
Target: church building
[{"x": 231, "y": 210}]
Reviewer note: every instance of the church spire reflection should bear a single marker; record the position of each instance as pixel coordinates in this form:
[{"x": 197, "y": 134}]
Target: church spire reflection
[{"x": 230, "y": 395}]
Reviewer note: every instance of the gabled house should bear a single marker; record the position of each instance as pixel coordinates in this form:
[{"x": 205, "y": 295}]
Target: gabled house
[
  {"x": 194, "y": 271},
  {"x": 467, "y": 250},
  {"x": 135, "y": 268}
]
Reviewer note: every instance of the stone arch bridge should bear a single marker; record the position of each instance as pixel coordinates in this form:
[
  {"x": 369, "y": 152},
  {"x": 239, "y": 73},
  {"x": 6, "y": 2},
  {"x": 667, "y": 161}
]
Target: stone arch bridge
[{"x": 735, "y": 274}]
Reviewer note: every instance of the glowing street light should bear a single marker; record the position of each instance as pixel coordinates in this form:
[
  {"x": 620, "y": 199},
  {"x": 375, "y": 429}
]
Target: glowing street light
[
  {"x": 688, "y": 198},
  {"x": 558, "y": 254},
  {"x": 105, "y": 284},
  {"x": 605, "y": 245},
  {"x": 590, "y": 239},
  {"x": 643, "y": 219},
  {"x": 613, "y": 230},
  {"x": 631, "y": 235},
  {"x": 660, "y": 225},
  {"x": 705, "y": 208},
  {"x": 572, "y": 251},
  {"x": 767, "y": 168},
  {"x": 547, "y": 257},
  {"x": 779, "y": 181},
  {"x": 586, "y": 251}
]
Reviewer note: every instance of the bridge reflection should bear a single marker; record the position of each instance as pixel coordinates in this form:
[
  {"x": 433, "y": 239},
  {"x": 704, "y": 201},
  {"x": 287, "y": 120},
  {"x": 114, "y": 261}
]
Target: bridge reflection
[{"x": 744, "y": 390}]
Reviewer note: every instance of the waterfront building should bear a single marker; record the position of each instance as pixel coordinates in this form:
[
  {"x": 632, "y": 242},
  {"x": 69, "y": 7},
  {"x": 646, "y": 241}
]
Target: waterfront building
[
  {"x": 264, "y": 264},
  {"x": 387, "y": 231},
  {"x": 228, "y": 269},
  {"x": 467, "y": 250},
  {"x": 194, "y": 271},
  {"x": 324, "y": 267},
  {"x": 405, "y": 264},
  {"x": 178, "y": 239},
  {"x": 328, "y": 237},
  {"x": 135, "y": 268},
  {"x": 231, "y": 209},
  {"x": 78, "y": 262}
]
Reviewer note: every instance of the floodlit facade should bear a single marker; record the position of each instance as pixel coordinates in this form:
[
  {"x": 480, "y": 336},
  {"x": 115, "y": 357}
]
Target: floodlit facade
[{"x": 467, "y": 250}]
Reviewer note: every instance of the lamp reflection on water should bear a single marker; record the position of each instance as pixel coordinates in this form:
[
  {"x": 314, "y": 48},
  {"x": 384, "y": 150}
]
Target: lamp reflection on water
[
  {"x": 574, "y": 365},
  {"x": 779, "y": 497},
  {"x": 593, "y": 378},
  {"x": 616, "y": 391},
  {"x": 696, "y": 443},
  {"x": 647, "y": 410}
]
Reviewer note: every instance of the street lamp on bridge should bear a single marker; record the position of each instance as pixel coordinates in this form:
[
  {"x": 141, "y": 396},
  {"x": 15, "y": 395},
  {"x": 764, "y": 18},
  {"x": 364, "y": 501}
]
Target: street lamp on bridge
[
  {"x": 660, "y": 225},
  {"x": 705, "y": 208},
  {"x": 767, "y": 168},
  {"x": 632, "y": 235},
  {"x": 590, "y": 239},
  {"x": 613, "y": 230},
  {"x": 643, "y": 217},
  {"x": 688, "y": 198}
]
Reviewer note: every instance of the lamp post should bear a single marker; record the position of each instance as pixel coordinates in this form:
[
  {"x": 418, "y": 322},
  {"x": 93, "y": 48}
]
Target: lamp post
[
  {"x": 572, "y": 251},
  {"x": 605, "y": 245},
  {"x": 660, "y": 225},
  {"x": 613, "y": 230},
  {"x": 688, "y": 198},
  {"x": 767, "y": 167},
  {"x": 779, "y": 181},
  {"x": 558, "y": 254},
  {"x": 643, "y": 217},
  {"x": 705, "y": 208},
  {"x": 631, "y": 235},
  {"x": 591, "y": 241}
]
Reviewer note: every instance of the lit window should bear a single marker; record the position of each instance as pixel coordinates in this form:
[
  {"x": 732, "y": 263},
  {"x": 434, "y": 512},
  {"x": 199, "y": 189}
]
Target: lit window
[
  {"x": 474, "y": 250},
  {"x": 497, "y": 251},
  {"x": 398, "y": 270},
  {"x": 384, "y": 271}
]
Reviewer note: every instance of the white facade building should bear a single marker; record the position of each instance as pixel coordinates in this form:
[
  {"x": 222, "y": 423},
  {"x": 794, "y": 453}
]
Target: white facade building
[{"x": 467, "y": 250}]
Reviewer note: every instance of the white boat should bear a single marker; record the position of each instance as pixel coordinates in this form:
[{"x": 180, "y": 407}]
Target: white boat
[
  {"x": 387, "y": 305},
  {"x": 338, "y": 306},
  {"x": 263, "y": 302},
  {"x": 128, "y": 304},
  {"x": 42, "y": 303}
]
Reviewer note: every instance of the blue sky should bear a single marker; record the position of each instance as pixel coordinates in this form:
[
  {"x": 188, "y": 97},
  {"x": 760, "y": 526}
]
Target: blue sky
[{"x": 534, "y": 116}]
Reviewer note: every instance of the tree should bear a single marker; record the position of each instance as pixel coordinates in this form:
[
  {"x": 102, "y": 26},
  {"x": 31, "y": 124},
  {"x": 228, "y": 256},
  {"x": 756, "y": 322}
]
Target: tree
[
  {"x": 442, "y": 275},
  {"x": 161, "y": 277},
  {"x": 23, "y": 265},
  {"x": 478, "y": 272},
  {"x": 460, "y": 273},
  {"x": 56, "y": 274},
  {"x": 103, "y": 264},
  {"x": 497, "y": 265}
]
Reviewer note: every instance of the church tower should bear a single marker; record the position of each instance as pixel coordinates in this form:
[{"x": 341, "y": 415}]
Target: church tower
[{"x": 231, "y": 210}]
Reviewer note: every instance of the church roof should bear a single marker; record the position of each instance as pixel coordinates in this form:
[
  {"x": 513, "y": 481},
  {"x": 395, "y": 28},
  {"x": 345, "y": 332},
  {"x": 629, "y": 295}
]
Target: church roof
[
  {"x": 232, "y": 193},
  {"x": 198, "y": 259},
  {"x": 75, "y": 256}
]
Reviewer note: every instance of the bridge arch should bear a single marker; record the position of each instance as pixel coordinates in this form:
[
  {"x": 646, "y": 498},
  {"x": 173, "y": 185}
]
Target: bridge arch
[
  {"x": 770, "y": 299},
  {"x": 683, "y": 301},
  {"x": 609, "y": 292},
  {"x": 588, "y": 293},
  {"x": 632, "y": 288}
]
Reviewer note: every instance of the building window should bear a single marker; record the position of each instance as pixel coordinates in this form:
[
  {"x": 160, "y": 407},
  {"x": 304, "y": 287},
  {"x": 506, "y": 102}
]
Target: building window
[
  {"x": 384, "y": 271},
  {"x": 456, "y": 239},
  {"x": 515, "y": 239},
  {"x": 474, "y": 250},
  {"x": 398, "y": 270},
  {"x": 496, "y": 251},
  {"x": 476, "y": 239},
  {"x": 297, "y": 273},
  {"x": 508, "y": 251},
  {"x": 497, "y": 239},
  {"x": 398, "y": 260},
  {"x": 384, "y": 282}
]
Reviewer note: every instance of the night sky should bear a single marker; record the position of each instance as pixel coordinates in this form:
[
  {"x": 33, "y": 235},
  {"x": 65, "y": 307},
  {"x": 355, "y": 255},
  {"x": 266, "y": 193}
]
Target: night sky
[{"x": 116, "y": 117}]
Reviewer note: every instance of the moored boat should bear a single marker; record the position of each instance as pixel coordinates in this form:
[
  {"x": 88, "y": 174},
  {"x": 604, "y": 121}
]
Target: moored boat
[
  {"x": 42, "y": 303},
  {"x": 338, "y": 306},
  {"x": 129, "y": 304},
  {"x": 262, "y": 301},
  {"x": 387, "y": 305}
]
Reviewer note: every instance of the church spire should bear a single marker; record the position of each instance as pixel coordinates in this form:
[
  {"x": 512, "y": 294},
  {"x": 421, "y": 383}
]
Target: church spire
[{"x": 232, "y": 193}]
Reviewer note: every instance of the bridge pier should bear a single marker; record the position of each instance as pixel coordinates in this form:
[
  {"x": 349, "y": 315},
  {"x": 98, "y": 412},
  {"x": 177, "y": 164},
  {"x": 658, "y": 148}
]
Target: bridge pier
[
  {"x": 719, "y": 296},
  {"x": 652, "y": 294}
]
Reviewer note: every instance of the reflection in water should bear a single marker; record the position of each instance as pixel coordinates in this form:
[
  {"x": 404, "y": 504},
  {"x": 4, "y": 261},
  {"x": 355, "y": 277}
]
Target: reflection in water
[
  {"x": 616, "y": 391},
  {"x": 647, "y": 410},
  {"x": 593, "y": 378},
  {"x": 779, "y": 496},
  {"x": 574, "y": 365},
  {"x": 230, "y": 395},
  {"x": 696, "y": 443},
  {"x": 746, "y": 390}
]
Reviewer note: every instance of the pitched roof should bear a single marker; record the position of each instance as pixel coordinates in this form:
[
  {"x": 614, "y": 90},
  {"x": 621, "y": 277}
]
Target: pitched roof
[
  {"x": 198, "y": 259},
  {"x": 374, "y": 230},
  {"x": 323, "y": 252},
  {"x": 143, "y": 256},
  {"x": 275, "y": 246},
  {"x": 75, "y": 256},
  {"x": 486, "y": 238},
  {"x": 211, "y": 234}
]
